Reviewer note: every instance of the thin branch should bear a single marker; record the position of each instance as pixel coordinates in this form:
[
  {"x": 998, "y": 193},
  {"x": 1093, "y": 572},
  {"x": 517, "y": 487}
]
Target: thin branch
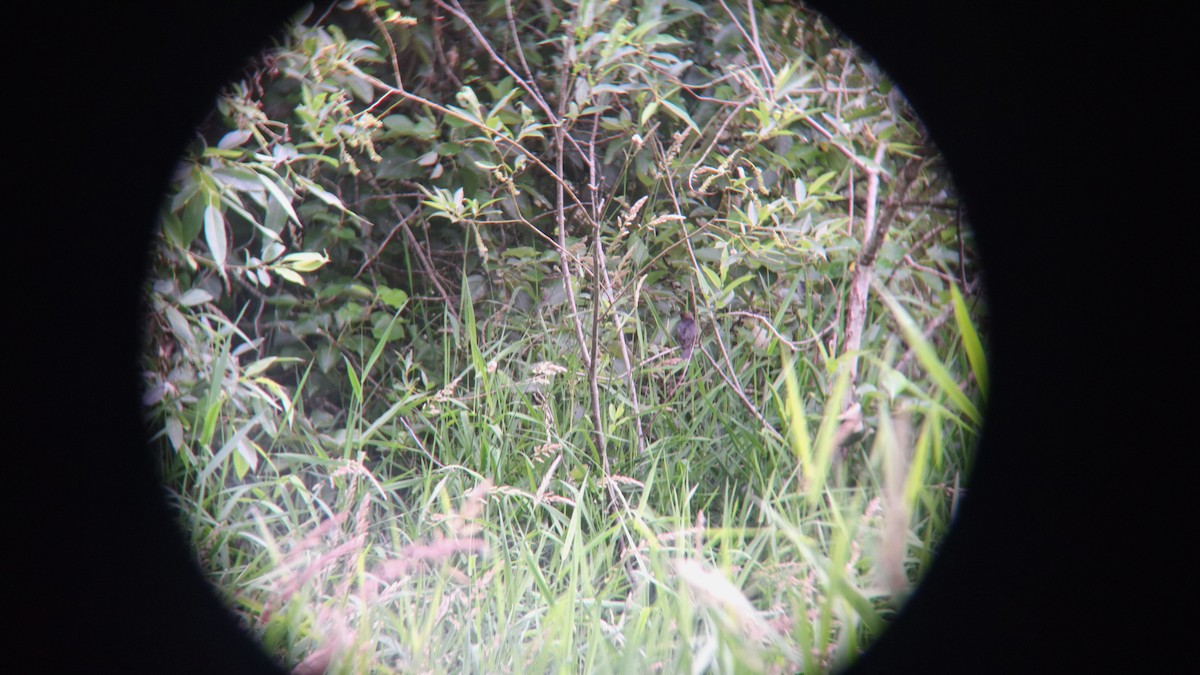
[
  {"x": 530, "y": 83},
  {"x": 491, "y": 133},
  {"x": 916, "y": 244},
  {"x": 601, "y": 275},
  {"x": 716, "y": 137},
  {"x": 731, "y": 380},
  {"x": 845, "y": 151},
  {"x": 875, "y": 229},
  {"x": 928, "y": 270},
  {"x": 856, "y": 309},
  {"x": 768, "y": 74},
  {"x": 415, "y": 246},
  {"x": 386, "y": 240},
  {"x": 531, "y": 86},
  {"x": 594, "y": 366},
  {"x": 387, "y": 36},
  {"x": 837, "y": 107},
  {"x": 564, "y": 261},
  {"x": 936, "y": 323},
  {"x": 771, "y": 327}
]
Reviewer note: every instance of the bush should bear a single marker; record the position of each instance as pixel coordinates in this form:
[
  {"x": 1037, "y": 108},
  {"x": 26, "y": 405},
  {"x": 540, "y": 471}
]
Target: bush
[{"x": 411, "y": 251}]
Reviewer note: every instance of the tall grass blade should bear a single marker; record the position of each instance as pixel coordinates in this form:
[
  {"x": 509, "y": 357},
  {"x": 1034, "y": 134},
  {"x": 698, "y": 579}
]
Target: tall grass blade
[
  {"x": 928, "y": 356},
  {"x": 970, "y": 340}
]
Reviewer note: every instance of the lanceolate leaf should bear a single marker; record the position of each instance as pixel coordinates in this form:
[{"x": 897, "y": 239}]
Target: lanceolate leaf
[
  {"x": 234, "y": 138},
  {"x": 196, "y": 296},
  {"x": 970, "y": 340},
  {"x": 214, "y": 235},
  {"x": 928, "y": 356},
  {"x": 289, "y": 275},
  {"x": 681, "y": 114},
  {"x": 304, "y": 261},
  {"x": 281, "y": 198}
]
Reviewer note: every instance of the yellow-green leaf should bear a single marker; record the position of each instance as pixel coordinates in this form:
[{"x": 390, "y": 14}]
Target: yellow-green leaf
[
  {"x": 927, "y": 355},
  {"x": 682, "y": 115},
  {"x": 970, "y": 340}
]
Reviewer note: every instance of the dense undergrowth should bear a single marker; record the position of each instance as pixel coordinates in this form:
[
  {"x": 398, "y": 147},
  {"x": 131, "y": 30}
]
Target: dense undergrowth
[{"x": 410, "y": 359}]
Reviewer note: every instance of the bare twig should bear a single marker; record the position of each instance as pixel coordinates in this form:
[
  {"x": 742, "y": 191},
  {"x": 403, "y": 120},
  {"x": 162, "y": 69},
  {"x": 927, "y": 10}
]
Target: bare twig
[
  {"x": 393, "y": 57},
  {"x": 837, "y": 108},
  {"x": 768, "y": 73},
  {"x": 589, "y": 358},
  {"x": 594, "y": 366},
  {"x": 491, "y": 133},
  {"x": 912, "y": 247},
  {"x": 415, "y": 246},
  {"x": 563, "y": 258},
  {"x": 771, "y": 327},
  {"x": 439, "y": 52},
  {"x": 856, "y": 309},
  {"x": 529, "y": 86},
  {"x": 928, "y": 270},
  {"x": 731, "y": 379},
  {"x": 601, "y": 276},
  {"x": 936, "y": 323},
  {"x": 370, "y": 260},
  {"x": 875, "y": 229},
  {"x": 692, "y": 174},
  {"x": 842, "y": 149}
]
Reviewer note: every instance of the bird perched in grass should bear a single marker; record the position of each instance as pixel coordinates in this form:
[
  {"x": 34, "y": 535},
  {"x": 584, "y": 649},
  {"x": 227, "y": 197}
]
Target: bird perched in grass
[{"x": 686, "y": 332}]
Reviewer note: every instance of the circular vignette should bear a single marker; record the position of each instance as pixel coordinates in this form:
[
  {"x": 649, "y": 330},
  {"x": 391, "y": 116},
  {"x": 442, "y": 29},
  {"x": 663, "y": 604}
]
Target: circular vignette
[
  {"x": 909, "y": 89},
  {"x": 251, "y": 221}
]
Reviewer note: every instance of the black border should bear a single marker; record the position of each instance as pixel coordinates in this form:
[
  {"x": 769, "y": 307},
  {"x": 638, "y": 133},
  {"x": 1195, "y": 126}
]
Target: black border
[{"x": 1025, "y": 103}]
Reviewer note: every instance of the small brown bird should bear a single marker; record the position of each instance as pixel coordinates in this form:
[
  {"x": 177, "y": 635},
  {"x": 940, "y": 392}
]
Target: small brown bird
[{"x": 686, "y": 332}]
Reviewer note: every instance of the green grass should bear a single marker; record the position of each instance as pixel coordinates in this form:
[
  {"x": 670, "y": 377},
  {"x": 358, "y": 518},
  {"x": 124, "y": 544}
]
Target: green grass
[
  {"x": 442, "y": 503},
  {"x": 488, "y": 546}
]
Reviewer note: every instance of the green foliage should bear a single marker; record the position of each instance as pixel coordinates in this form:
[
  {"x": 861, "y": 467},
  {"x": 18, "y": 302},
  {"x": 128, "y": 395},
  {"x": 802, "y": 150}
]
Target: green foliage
[{"x": 396, "y": 247}]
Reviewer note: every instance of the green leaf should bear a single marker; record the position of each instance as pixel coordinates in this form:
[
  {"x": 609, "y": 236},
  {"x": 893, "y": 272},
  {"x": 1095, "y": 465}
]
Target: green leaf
[
  {"x": 223, "y": 154},
  {"x": 174, "y": 429},
  {"x": 350, "y": 312},
  {"x": 928, "y": 356},
  {"x": 179, "y": 325},
  {"x": 824, "y": 446},
  {"x": 196, "y": 296},
  {"x": 681, "y": 114},
  {"x": 304, "y": 261},
  {"x": 321, "y": 193},
  {"x": 386, "y": 328},
  {"x": 214, "y": 235},
  {"x": 247, "y": 451},
  {"x": 820, "y": 181},
  {"x": 234, "y": 138},
  {"x": 499, "y": 106},
  {"x": 403, "y": 125},
  {"x": 214, "y": 399},
  {"x": 188, "y": 188},
  {"x": 647, "y": 113},
  {"x": 172, "y": 229},
  {"x": 289, "y": 275},
  {"x": 801, "y": 441},
  {"x": 237, "y": 177},
  {"x": 355, "y": 383},
  {"x": 261, "y": 365},
  {"x": 393, "y": 297},
  {"x": 970, "y": 340},
  {"x": 281, "y": 198}
]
